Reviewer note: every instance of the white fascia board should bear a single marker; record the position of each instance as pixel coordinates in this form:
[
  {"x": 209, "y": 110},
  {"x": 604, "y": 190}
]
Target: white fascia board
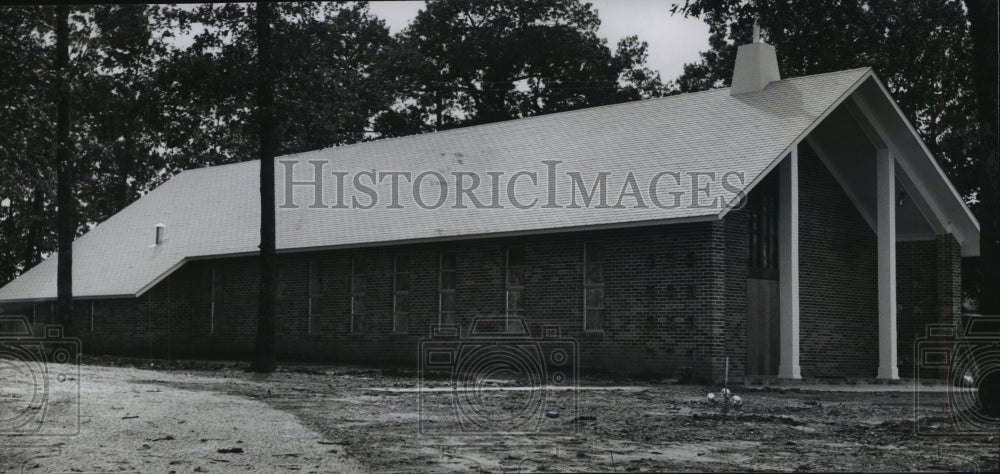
[
  {"x": 879, "y": 140},
  {"x": 927, "y": 152},
  {"x": 932, "y": 207}
]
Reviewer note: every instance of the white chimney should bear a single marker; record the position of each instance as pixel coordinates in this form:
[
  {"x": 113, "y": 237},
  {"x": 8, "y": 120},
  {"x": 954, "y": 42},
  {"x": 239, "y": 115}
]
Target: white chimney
[
  {"x": 756, "y": 65},
  {"x": 160, "y": 229}
]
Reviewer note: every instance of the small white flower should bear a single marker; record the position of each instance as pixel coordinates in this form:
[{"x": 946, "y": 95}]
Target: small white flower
[
  {"x": 737, "y": 400},
  {"x": 726, "y": 391},
  {"x": 711, "y": 397}
]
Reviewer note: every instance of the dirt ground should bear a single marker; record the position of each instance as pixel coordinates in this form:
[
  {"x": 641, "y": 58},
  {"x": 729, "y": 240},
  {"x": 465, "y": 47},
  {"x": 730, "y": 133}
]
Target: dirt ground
[{"x": 215, "y": 417}]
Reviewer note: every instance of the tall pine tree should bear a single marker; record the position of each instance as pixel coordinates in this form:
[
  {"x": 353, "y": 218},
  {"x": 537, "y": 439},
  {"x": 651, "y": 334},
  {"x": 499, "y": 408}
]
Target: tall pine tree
[
  {"x": 264, "y": 360},
  {"x": 66, "y": 214}
]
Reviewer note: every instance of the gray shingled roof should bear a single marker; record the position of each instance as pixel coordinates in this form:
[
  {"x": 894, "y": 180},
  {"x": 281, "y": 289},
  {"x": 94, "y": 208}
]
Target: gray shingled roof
[{"x": 214, "y": 211}]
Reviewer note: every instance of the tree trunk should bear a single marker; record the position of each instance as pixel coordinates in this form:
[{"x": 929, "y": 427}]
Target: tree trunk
[
  {"x": 265, "y": 351},
  {"x": 983, "y": 26},
  {"x": 31, "y": 245},
  {"x": 126, "y": 166},
  {"x": 66, "y": 213}
]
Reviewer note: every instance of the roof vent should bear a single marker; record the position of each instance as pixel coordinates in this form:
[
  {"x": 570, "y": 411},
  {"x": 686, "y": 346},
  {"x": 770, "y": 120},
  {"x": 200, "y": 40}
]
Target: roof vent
[
  {"x": 160, "y": 229},
  {"x": 756, "y": 65}
]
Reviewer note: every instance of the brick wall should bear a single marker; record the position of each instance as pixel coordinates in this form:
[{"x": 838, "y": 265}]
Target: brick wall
[
  {"x": 948, "y": 268},
  {"x": 928, "y": 289},
  {"x": 916, "y": 297},
  {"x": 736, "y": 291},
  {"x": 838, "y": 301},
  {"x": 665, "y": 300}
]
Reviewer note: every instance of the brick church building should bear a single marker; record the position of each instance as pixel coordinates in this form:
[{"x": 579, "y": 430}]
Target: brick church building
[{"x": 799, "y": 227}]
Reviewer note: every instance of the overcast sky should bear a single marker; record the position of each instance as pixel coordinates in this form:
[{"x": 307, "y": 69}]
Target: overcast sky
[{"x": 673, "y": 40}]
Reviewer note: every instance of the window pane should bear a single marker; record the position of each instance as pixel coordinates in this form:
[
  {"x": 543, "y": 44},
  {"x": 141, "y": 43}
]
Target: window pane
[
  {"x": 595, "y": 298},
  {"x": 595, "y": 252},
  {"x": 447, "y": 318},
  {"x": 595, "y": 274},
  {"x": 515, "y": 256},
  {"x": 217, "y": 282},
  {"x": 402, "y": 304},
  {"x": 358, "y": 323},
  {"x": 448, "y": 261},
  {"x": 400, "y": 322},
  {"x": 315, "y": 286},
  {"x": 402, "y": 281},
  {"x": 515, "y": 300},
  {"x": 447, "y": 302},
  {"x": 358, "y": 266},
  {"x": 448, "y": 280},
  {"x": 402, "y": 263},
  {"x": 595, "y": 319},
  {"x": 315, "y": 305},
  {"x": 358, "y": 284},
  {"x": 358, "y": 305},
  {"x": 515, "y": 277}
]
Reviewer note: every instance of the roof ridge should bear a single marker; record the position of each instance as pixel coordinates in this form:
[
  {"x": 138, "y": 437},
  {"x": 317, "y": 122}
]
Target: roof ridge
[
  {"x": 565, "y": 112},
  {"x": 479, "y": 125},
  {"x": 212, "y": 167}
]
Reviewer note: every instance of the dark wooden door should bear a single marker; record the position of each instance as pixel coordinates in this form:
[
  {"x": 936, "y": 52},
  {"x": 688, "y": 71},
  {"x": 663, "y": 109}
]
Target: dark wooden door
[{"x": 762, "y": 327}]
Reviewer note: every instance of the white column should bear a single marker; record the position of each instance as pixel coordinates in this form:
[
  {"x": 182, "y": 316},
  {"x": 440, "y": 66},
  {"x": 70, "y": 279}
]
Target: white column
[
  {"x": 886, "y": 229},
  {"x": 788, "y": 265}
]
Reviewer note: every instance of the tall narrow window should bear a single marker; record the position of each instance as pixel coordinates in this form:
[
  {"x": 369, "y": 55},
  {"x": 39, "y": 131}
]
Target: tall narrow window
[
  {"x": 315, "y": 293},
  {"x": 516, "y": 265},
  {"x": 762, "y": 230},
  {"x": 593, "y": 286},
  {"x": 93, "y": 309},
  {"x": 216, "y": 295},
  {"x": 401, "y": 294},
  {"x": 446, "y": 288},
  {"x": 359, "y": 271}
]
